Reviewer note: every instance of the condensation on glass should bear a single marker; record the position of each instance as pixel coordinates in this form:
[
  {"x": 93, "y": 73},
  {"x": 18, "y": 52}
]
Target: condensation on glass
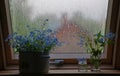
[{"x": 70, "y": 18}]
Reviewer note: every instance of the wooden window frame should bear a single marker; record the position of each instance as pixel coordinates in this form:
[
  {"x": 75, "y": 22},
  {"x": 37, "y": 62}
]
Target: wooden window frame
[
  {"x": 113, "y": 21},
  {"x": 2, "y": 53}
]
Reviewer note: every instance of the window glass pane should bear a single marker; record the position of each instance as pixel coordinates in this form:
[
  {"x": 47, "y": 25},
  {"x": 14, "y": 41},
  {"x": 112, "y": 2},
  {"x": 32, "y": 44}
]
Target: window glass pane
[{"x": 68, "y": 17}]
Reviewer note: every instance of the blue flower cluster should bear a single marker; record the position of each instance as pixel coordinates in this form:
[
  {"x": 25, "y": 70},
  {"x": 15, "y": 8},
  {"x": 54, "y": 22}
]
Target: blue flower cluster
[
  {"x": 96, "y": 44},
  {"x": 98, "y": 38},
  {"x": 36, "y": 40},
  {"x": 104, "y": 38}
]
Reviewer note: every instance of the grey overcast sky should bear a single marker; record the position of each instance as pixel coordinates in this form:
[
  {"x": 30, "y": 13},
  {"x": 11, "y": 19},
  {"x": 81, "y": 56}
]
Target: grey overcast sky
[{"x": 90, "y": 8}]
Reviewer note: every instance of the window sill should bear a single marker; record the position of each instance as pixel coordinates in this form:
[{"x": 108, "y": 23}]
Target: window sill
[
  {"x": 61, "y": 72},
  {"x": 65, "y": 69}
]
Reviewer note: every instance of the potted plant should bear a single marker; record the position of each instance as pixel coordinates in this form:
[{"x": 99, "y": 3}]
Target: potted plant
[
  {"x": 34, "y": 48},
  {"x": 95, "y": 46}
]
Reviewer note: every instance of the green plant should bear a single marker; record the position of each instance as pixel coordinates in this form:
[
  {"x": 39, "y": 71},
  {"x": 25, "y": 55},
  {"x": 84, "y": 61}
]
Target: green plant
[{"x": 95, "y": 45}]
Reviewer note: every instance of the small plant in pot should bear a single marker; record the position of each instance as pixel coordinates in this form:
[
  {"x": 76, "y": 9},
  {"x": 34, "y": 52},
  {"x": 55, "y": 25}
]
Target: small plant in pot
[
  {"x": 34, "y": 48},
  {"x": 95, "y": 46}
]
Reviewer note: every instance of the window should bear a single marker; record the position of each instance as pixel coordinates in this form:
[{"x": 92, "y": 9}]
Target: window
[{"x": 71, "y": 19}]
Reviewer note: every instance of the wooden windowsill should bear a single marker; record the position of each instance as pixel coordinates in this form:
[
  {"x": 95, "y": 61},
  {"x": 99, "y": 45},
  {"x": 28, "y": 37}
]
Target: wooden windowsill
[
  {"x": 52, "y": 72},
  {"x": 65, "y": 69}
]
